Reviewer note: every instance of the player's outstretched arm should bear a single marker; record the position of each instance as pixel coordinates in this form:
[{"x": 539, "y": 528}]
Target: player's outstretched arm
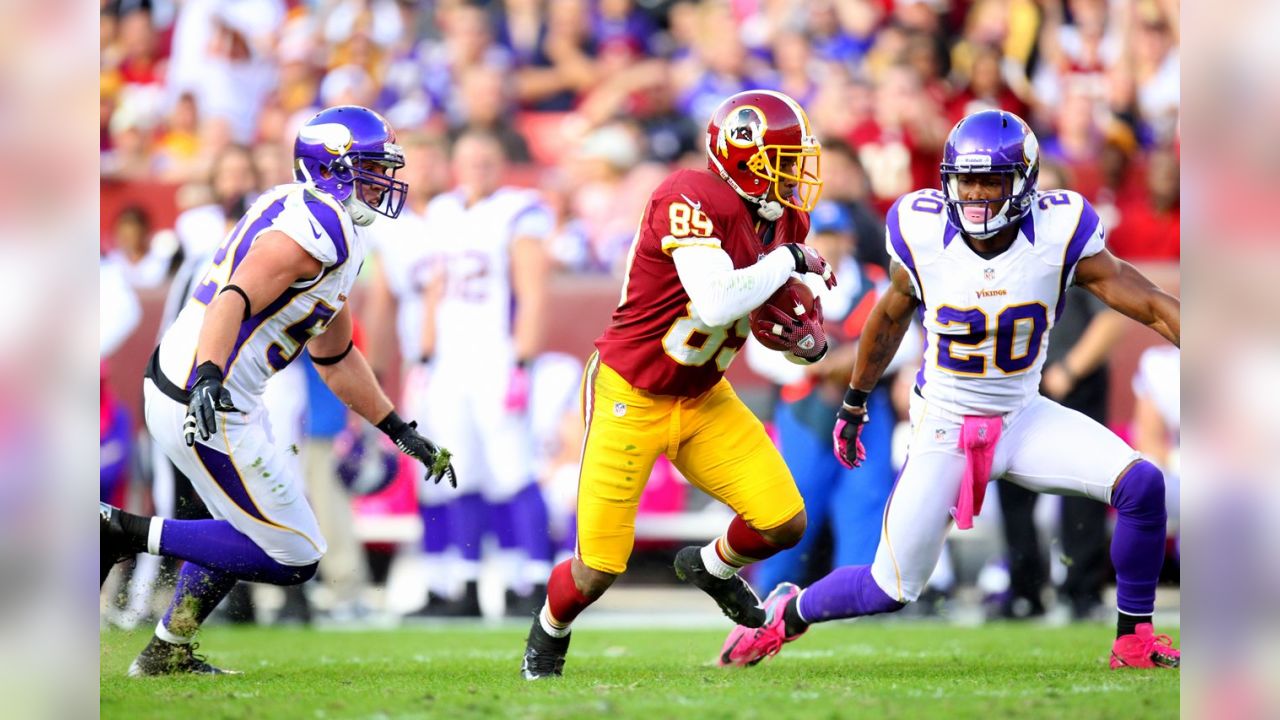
[
  {"x": 881, "y": 336},
  {"x": 1120, "y": 285},
  {"x": 344, "y": 369},
  {"x": 885, "y": 328},
  {"x": 274, "y": 262},
  {"x": 721, "y": 294}
]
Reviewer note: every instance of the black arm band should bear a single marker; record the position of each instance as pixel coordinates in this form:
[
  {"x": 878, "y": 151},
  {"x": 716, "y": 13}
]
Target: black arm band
[
  {"x": 334, "y": 359},
  {"x": 855, "y": 398},
  {"x": 392, "y": 424},
  {"x": 243, "y": 296},
  {"x": 797, "y": 257},
  {"x": 209, "y": 369}
]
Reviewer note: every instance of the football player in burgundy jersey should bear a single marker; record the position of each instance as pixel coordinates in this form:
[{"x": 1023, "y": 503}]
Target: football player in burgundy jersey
[{"x": 713, "y": 245}]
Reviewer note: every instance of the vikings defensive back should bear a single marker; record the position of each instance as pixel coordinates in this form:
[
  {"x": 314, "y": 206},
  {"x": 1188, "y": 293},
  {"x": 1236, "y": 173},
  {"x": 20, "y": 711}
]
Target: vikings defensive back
[
  {"x": 278, "y": 283},
  {"x": 985, "y": 264}
]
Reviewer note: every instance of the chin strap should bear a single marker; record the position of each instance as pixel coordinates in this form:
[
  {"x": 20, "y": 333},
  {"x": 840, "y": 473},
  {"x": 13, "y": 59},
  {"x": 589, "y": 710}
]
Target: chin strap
[
  {"x": 770, "y": 209},
  {"x": 361, "y": 214}
]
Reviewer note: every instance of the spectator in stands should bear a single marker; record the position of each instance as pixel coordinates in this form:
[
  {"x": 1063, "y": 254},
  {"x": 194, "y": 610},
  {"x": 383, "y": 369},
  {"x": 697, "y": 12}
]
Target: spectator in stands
[
  {"x": 1149, "y": 221},
  {"x": 1156, "y": 72},
  {"x": 144, "y": 261},
  {"x": 845, "y": 183},
  {"x": 485, "y": 105},
  {"x": 900, "y": 144},
  {"x": 564, "y": 63},
  {"x": 842, "y": 32},
  {"x": 985, "y": 88}
]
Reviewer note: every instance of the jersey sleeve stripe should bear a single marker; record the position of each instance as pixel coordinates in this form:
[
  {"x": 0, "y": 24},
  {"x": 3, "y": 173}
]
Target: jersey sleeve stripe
[
  {"x": 332, "y": 223},
  {"x": 669, "y": 244},
  {"x": 900, "y": 247},
  {"x": 1086, "y": 225}
]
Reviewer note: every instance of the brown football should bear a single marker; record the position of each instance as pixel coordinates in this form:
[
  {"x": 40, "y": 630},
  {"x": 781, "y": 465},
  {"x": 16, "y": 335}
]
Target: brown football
[{"x": 789, "y": 320}]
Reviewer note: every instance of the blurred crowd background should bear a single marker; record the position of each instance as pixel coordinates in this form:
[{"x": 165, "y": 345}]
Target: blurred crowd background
[
  {"x": 592, "y": 103},
  {"x": 595, "y": 99}
]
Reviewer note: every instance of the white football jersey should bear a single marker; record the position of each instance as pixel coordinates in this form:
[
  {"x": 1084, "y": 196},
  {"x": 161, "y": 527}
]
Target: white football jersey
[
  {"x": 276, "y": 334},
  {"x": 987, "y": 320},
  {"x": 405, "y": 254},
  {"x": 478, "y": 304}
]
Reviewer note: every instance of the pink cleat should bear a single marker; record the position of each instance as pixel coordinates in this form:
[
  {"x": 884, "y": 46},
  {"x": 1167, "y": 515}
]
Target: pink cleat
[
  {"x": 1143, "y": 649},
  {"x": 748, "y": 646}
]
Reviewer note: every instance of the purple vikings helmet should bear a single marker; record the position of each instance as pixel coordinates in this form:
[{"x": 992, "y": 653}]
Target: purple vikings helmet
[
  {"x": 994, "y": 142},
  {"x": 367, "y": 464},
  {"x": 332, "y": 149}
]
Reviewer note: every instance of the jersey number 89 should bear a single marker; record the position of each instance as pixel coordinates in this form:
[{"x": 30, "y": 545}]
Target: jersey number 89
[{"x": 678, "y": 347}]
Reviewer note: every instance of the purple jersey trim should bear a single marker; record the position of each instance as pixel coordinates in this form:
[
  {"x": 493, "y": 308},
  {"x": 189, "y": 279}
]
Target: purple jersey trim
[
  {"x": 1029, "y": 228},
  {"x": 949, "y": 234},
  {"x": 242, "y": 235},
  {"x": 1085, "y": 227},
  {"x": 332, "y": 225},
  {"x": 920, "y": 379},
  {"x": 223, "y": 471},
  {"x": 899, "y": 244}
]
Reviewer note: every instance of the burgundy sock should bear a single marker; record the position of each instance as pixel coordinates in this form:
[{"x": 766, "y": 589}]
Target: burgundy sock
[
  {"x": 564, "y": 599},
  {"x": 741, "y": 545}
]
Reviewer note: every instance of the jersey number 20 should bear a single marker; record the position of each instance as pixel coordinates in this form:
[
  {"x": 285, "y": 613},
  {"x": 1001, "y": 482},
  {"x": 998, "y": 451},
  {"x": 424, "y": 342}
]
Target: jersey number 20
[{"x": 953, "y": 358}]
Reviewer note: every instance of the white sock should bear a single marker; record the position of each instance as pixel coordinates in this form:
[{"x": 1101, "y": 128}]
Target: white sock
[
  {"x": 163, "y": 633},
  {"x": 153, "y": 536},
  {"x": 797, "y": 602},
  {"x": 711, "y": 560},
  {"x": 544, "y": 618}
]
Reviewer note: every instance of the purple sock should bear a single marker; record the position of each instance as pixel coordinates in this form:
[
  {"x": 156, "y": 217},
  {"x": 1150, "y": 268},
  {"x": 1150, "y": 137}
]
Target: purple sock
[
  {"x": 218, "y": 546},
  {"x": 435, "y": 528},
  {"x": 529, "y": 520},
  {"x": 466, "y": 525},
  {"x": 1137, "y": 548},
  {"x": 844, "y": 593},
  {"x": 198, "y": 592}
]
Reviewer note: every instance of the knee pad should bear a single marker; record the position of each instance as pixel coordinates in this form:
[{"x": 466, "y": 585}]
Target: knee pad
[{"x": 1140, "y": 494}]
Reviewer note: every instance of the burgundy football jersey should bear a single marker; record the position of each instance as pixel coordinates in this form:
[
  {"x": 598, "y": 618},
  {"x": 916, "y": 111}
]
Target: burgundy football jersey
[{"x": 654, "y": 341}]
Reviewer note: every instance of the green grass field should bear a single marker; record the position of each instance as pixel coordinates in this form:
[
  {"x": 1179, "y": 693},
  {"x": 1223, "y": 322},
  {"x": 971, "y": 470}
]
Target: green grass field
[{"x": 890, "y": 670}]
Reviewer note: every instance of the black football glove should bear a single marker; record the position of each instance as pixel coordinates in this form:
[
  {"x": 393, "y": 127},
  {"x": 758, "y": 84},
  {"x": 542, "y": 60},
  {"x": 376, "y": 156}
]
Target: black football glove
[
  {"x": 406, "y": 437},
  {"x": 208, "y": 397},
  {"x": 809, "y": 261}
]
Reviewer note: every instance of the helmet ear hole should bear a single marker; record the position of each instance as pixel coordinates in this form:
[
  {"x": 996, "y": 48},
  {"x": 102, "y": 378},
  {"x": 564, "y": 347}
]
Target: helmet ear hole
[{"x": 742, "y": 165}]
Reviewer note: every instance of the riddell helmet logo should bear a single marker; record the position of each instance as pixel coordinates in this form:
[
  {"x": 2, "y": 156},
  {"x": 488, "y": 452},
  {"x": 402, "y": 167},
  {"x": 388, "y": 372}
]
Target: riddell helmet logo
[{"x": 744, "y": 128}]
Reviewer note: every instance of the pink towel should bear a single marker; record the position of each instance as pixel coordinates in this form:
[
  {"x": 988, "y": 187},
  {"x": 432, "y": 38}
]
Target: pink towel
[{"x": 978, "y": 438}]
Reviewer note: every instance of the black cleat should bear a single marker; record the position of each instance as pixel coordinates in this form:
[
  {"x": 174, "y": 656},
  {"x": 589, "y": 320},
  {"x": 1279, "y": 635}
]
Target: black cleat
[
  {"x": 164, "y": 658},
  {"x": 113, "y": 544},
  {"x": 543, "y": 654},
  {"x": 735, "y": 597}
]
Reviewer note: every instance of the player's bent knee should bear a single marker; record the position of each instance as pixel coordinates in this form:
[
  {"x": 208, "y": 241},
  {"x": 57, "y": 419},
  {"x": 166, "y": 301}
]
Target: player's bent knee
[
  {"x": 591, "y": 583},
  {"x": 297, "y": 575},
  {"x": 789, "y": 533},
  {"x": 1140, "y": 493}
]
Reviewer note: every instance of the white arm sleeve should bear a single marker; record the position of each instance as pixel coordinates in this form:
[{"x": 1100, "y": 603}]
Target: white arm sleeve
[{"x": 719, "y": 293}]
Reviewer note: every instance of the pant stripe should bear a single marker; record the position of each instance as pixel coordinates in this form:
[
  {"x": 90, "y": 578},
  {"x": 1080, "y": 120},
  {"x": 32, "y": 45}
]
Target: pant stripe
[
  {"x": 226, "y": 477},
  {"x": 588, "y": 411}
]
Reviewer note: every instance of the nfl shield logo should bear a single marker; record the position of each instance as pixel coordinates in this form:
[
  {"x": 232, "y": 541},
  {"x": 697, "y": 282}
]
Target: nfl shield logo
[
  {"x": 619, "y": 409},
  {"x": 989, "y": 274},
  {"x": 939, "y": 434}
]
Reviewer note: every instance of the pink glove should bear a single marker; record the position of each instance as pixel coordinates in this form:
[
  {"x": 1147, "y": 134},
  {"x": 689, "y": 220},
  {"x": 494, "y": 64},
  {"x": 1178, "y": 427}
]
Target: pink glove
[
  {"x": 517, "y": 398},
  {"x": 848, "y": 431}
]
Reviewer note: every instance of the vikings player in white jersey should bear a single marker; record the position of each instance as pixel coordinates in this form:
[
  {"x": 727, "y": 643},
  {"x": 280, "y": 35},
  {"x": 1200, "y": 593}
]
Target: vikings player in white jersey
[
  {"x": 985, "y": 265},
  {"x": 487, "y": 316},
  {"x": 278, "y": 283}
]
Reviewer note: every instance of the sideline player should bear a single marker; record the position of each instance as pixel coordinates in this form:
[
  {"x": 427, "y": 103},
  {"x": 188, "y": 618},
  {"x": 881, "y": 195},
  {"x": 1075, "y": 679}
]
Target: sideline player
[
  {"x": 713, "y": 245},
  {"x": 280, "y": 280},
  {"x": 986, "y": 263},
  {"x": 484, "y": 326}
]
